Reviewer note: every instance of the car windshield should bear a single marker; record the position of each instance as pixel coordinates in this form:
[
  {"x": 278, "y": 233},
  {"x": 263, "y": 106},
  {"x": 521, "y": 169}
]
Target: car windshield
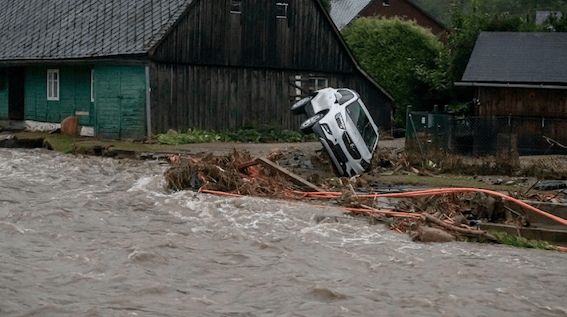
[{"x": 363, "y": 125}]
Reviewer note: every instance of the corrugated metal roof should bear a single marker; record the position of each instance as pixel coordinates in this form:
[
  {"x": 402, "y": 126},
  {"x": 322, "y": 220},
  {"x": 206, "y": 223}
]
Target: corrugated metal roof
[
  {"x": 518, "y": 57},
  {"x": 63, "y": 29},
  {"x": 343, "y": 11}
]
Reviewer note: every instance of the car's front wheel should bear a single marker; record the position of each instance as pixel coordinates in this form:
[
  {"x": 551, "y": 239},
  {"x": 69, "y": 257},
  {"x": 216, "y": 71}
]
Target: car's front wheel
[
  {"x": 299, "y": 107},
  {"x": 307, "y": 126}
]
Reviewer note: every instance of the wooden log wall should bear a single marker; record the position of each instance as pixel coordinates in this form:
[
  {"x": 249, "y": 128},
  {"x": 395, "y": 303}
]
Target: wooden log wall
[
  {"x": 529, "y": 102},
  {"x": 213, "y": 97},
  {"x": 209, "y": 34}
]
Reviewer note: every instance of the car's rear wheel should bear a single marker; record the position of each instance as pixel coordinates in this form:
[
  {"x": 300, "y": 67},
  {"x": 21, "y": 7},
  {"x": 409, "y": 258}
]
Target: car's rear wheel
[
  {"x": 307, "y": 126},
  {"x": 299, "y": 107}
]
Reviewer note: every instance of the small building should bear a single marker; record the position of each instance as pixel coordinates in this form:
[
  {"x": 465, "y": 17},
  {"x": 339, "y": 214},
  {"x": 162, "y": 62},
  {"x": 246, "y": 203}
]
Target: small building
[
  {"x": 344, "y": 11},
  {"x": 521, "y": 75},
  {"x": 135, "y": 68}
]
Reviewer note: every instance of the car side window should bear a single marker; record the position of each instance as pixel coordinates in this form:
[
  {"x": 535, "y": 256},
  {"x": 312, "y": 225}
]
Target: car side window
[{"x": 346, "y": 96}]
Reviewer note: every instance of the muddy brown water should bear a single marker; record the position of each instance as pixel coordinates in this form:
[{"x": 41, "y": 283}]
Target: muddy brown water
[{"x": 102, "y": 237}]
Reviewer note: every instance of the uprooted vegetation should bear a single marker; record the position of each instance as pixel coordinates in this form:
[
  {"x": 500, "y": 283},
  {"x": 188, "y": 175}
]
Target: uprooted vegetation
[{"x": 431, "y": 216}]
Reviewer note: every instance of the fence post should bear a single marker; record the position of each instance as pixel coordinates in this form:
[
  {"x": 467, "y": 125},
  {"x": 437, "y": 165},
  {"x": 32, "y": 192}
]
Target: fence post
[
  {"x": 509, "y": 133},
  {"x": 408, "y": 125}
]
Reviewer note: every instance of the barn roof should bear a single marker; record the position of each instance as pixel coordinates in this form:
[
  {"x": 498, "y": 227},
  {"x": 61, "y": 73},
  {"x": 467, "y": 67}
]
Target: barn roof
[
  {"x": 344, "y": 11},
  {"x": 518, "y": 57},
  {"x": 67, "y": 29}
]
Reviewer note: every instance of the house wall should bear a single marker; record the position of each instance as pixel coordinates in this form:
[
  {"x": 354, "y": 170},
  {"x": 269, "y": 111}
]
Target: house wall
[
  {"x": 4, "y": 101},
  {"x": 209, "y": 34},
  {"x": 536, "y": 113},
  {"x": 401, "y": 8},
  {"x": 215, "y": 97},
  {"x": 119, "y": 107},
  {"x": 220, "y": 70},
  {"x": 495, "y": 101},
  {"x": 74, "y": 94}
]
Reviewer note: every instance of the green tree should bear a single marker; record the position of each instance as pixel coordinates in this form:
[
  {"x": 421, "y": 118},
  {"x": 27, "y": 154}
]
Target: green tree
[{"x": 406, "y": 59}]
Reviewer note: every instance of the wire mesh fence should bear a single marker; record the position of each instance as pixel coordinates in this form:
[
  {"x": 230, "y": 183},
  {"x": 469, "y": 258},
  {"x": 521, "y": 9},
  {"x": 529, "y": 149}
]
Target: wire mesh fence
[{"x": 480, "y": 136}]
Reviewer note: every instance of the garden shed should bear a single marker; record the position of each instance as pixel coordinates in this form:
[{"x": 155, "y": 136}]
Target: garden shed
[{"x": 521, "y": 78}]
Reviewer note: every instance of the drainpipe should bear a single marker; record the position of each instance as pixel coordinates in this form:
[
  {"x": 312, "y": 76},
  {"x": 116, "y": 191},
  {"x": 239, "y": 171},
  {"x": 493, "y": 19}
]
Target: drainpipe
[{"x": 148, "y": 103}]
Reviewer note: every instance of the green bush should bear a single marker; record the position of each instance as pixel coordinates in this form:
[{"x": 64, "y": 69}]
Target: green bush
[
  {"x": 405, "y": 58},
  {"x": 243, "y": 135}
]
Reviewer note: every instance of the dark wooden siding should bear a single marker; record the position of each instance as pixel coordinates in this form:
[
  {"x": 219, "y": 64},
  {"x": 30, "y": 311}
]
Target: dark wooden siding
[
  {"x": 213, "y": 97},
  {"x": 210, "y": 35},
  {"x": 551, "y": 103}
]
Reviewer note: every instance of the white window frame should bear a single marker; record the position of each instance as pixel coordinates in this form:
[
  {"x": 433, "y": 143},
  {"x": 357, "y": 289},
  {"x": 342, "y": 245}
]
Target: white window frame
[
  {"x": 53, "y": 84},
  {"x": 385, "y": 3},
  {"x": 92, "y": 85},
  {"x": 284, "y": 5},
  {"x": 298, "y": 90}
]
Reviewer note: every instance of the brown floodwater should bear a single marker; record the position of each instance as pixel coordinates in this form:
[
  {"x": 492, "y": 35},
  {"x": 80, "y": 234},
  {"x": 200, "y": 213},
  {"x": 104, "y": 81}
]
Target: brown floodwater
[{"x": 102, "y": 237}]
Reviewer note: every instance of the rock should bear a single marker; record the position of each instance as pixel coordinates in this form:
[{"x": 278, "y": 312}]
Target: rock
[
  {"x": 70, "y": 126},
  {"x": 428, "y": 234}
]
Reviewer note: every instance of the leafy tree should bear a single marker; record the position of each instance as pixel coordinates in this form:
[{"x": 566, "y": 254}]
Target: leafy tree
[{"x": 406, "y": 59}]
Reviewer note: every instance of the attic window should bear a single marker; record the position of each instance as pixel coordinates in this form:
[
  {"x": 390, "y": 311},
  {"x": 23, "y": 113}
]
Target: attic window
[
  {"x": 385, "y": 3},
  {"x": 236, "y": 6},
  {"x": 281, "y": 10}
]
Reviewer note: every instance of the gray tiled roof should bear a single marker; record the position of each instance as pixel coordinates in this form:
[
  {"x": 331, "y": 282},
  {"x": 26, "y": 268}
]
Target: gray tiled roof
[
  {"x": 343, "y": 11},
  {"x": 508, "y": 57},
  {"x": 60, "y": 29}
]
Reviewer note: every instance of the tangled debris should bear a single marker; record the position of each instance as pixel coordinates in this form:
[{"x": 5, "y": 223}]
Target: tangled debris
[
  {"x": 428, "y": 216},
  {"x": 224, "y": 175}
]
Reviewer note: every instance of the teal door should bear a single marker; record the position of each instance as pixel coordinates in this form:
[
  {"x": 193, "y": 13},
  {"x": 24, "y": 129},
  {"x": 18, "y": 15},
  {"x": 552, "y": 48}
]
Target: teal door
[{"x": 120, "y": 102}]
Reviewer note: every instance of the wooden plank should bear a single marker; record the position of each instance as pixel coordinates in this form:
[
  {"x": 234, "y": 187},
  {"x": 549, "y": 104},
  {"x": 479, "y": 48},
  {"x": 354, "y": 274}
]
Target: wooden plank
[{"x": 274, "y": 167}]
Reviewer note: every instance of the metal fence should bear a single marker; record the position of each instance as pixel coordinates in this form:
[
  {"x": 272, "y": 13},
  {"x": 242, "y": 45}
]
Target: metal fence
[{"x": 479, "y": 136}]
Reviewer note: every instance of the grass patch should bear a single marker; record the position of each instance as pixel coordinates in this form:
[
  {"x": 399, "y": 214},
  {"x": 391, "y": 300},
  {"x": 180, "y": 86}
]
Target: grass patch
[
  {"x": 521, "y": 242},
  {"x": 61, "y": 143},
  {"x": 244, "y": 135}
]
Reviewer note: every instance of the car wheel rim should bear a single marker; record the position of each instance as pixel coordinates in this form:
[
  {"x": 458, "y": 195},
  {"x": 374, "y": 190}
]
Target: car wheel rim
[
  {"x": 311, "y": 121},
  {"x": 301, "y": 103}
]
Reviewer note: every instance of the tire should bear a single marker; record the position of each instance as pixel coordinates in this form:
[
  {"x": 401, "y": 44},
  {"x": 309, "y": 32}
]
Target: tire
[
  {"x": 299, "y": 107},
  {"x": 307, "y": 126}
]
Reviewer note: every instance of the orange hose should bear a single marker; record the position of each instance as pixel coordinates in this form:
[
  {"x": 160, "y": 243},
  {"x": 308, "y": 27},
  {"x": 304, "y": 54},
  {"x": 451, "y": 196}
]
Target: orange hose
[
  {"x": 440, "y": 191},
  {"x": 421, "y": 193}
]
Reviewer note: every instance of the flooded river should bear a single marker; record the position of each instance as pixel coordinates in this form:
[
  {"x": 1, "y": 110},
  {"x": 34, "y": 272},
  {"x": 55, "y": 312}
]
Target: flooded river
[{"x": 102, "y": 237}]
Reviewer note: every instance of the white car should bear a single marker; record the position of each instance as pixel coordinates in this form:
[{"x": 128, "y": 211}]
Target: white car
[{"x": 343, "y": 125}]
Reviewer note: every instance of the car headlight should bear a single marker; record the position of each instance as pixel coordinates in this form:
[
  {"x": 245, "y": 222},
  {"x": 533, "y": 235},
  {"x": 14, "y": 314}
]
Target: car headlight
[
  {"x": 340, "y": 121},
  {"x": 326, "y": 128}
]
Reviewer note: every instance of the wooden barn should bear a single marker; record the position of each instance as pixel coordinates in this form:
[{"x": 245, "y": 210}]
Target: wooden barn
[
  {"x": 524, "y": 76},
  {"x": 344, "y": 11},
  {"x": 135, "y": 68}
]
